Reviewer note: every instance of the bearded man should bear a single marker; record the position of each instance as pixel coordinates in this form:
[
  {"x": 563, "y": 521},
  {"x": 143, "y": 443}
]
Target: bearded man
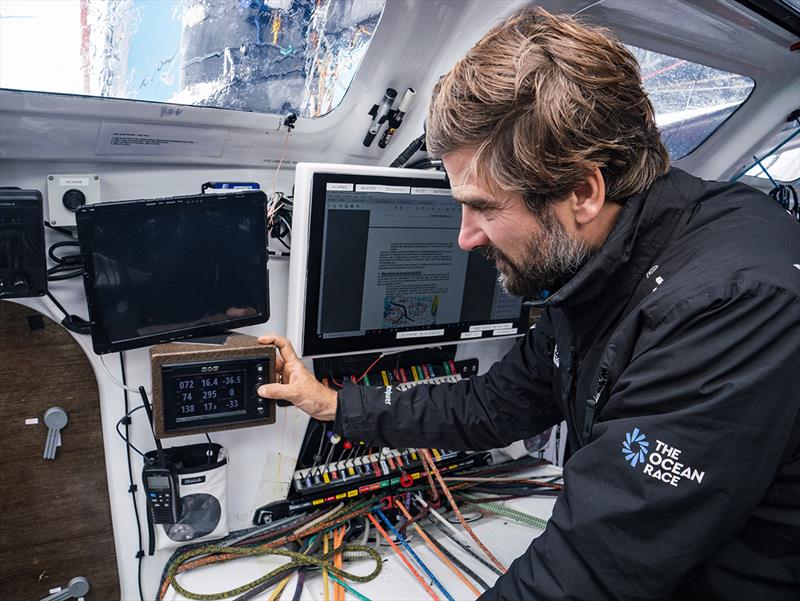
[{"x": 671, "y": 344}]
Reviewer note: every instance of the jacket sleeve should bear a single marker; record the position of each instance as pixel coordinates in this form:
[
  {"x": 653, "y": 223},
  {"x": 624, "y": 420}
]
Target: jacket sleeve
[
  {"x": 692, "y": 435},
  {"x": 512, "y": 401}
]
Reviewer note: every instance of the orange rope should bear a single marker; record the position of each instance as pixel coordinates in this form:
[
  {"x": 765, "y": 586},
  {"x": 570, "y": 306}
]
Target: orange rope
[
  {"x": 338, "y": 537},
  {"x": 436, "y": 550},
  {"x": 427, "y": 457},
  {"x": 397, "y": 550}
]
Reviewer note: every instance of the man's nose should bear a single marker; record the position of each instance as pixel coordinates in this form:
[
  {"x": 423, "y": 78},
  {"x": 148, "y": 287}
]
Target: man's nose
[{"x": 471, "y": 235}]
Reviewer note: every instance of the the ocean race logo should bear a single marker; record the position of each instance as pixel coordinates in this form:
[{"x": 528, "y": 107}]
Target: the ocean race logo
[
  {"x": 635, "y": 447},
  {"x": 662, "y": 463}
]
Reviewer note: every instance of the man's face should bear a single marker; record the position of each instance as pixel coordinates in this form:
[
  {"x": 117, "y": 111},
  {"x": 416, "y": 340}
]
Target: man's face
[{"x": 531, "y": 252}]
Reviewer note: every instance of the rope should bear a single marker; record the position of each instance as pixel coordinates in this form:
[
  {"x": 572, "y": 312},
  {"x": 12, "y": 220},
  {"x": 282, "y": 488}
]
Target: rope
[
  {"x": 323, "y": 561},
  {"x": 399, "y": 553},
  {"x": 506, "y": 512},
  {"x": 413, "y": 554},
  {"x": 458, "y": 562},
  {"x": 426, "y": 454},
  {"x": 436, "y": 550}
]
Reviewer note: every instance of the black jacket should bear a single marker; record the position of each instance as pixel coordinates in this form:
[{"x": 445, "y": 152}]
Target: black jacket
[{"x": 674, "y": 356}]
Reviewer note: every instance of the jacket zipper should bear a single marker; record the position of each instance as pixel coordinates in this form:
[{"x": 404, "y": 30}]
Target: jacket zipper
[
  {"x": 573, "y": 388},
  {"x": 593, "y": 405}
]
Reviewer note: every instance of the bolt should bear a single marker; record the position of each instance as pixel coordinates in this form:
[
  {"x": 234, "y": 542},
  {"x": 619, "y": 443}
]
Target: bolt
[
  {"x": 96, "y": 177},
  {"x": 50, "y": 177}
]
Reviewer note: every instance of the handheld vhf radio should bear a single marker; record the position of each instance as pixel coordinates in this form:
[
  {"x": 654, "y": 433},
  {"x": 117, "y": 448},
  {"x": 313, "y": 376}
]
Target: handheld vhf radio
[{"x": 160, "y": 481}]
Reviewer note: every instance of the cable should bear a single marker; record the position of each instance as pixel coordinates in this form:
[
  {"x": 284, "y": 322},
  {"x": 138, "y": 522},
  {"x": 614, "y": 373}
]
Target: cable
[
  {"x": 122, "y": 419},
  {"x": 71, "y": 264},
  {"x": 371, "y": 365},
  {"x": 60, "y": 230},
  {"x": 113, "y": 379},
  {"x": 464, "y": 545},
  {"x": 412, "y": 148},
  {"x": 132, "y": 489},
  {"x": 435, "y": 549},
  {"x": 73, "y": 323},
  {"x": 464, "y": 568},
  {"x": 427, "y": 457},
  {"x": 399, "y": 553}
]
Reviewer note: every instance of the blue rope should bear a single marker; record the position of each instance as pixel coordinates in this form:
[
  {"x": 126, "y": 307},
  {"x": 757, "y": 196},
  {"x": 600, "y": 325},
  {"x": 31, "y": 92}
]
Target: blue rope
[
  {"x": 403, "y": 542},
  {"x": 764, "y": 169},
  {"x": 770, "y": 153}
]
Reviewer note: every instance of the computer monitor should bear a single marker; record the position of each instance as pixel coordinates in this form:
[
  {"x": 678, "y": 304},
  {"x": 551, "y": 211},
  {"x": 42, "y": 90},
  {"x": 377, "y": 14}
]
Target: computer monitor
[
  {"x": 376, "y": 266},
  {"x": 167, "y": 269}
]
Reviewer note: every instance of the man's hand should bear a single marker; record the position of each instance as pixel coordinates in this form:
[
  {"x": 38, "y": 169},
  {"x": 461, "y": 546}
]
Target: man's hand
[{"x": 299, "y": 386}]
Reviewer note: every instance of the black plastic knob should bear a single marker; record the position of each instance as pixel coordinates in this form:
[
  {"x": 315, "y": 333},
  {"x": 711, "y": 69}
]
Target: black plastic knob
[{"x": 73, "y": 199}]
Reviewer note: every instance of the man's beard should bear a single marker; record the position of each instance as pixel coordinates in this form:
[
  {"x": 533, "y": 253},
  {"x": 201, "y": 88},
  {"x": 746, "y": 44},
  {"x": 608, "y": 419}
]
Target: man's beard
[{"x": 551, "y": 258}]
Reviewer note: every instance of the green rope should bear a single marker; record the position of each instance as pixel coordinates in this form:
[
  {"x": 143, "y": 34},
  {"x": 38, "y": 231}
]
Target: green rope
[
  {"x": 502, "y": 510},
  {"x": 323, "y": 561}
]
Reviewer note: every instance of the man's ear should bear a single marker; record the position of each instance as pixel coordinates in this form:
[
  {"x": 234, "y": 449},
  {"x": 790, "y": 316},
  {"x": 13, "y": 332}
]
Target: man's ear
[{"x": 588, "y": 198}]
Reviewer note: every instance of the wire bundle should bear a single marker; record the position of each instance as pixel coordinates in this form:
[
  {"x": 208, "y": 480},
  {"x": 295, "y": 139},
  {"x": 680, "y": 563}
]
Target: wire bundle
[
  {"x": 310, "y": 535},
  {"x": 66, "y": 266}
]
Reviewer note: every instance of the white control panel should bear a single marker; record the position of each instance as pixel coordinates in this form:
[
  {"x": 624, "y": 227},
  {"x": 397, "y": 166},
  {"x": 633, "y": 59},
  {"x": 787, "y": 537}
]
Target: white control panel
[{"x": 66, "y": 192}]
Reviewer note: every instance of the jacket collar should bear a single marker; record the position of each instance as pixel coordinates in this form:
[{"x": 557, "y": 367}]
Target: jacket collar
[{"x": 595, "y": 297}]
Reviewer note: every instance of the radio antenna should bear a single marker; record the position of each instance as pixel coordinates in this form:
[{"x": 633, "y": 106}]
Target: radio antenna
[{"x": 149, "y": 412}]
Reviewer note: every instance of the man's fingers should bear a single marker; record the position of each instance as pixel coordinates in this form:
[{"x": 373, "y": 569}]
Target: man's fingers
[
  {"x": 274, "y": 391},
  {"x": 284, "y": 346}
]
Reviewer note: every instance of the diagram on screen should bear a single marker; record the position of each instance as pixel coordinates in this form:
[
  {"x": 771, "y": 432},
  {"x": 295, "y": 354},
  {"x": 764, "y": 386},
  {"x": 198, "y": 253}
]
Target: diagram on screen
[{"x": 401, "y": 311}]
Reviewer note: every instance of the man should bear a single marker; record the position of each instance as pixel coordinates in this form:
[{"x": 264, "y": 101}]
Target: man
[{"x": 671, "y": 345}]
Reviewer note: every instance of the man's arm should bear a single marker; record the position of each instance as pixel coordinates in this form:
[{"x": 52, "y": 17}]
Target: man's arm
[
  {"x": 510, "y": 402},
  {"x": 690, "y": 440}
]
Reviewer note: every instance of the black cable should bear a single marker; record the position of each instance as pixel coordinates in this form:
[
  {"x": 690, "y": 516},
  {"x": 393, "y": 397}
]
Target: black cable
[
  {"x": 71, "y": 264},
  {"x": 58, "y": 304},
  {"x": 140, "y": 552},
  {"x": 478, "y": 580},
  {"x": 60, "y": 230},
  {"x": 412, "y": 148},
  {"x": 450, "y": 535},
  {"x": 73, "y": 323},
  {"x": 121, "y": 421}
]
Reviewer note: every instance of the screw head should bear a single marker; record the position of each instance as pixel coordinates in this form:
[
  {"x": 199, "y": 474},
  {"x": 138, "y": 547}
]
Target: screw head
[
  {"x": 96, "y": 177},
  {"x": 50, "y": 177}
]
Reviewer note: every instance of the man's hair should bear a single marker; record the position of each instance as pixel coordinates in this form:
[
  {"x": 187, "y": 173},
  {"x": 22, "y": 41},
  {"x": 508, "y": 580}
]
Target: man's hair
[{"x": 544, "y": 100}]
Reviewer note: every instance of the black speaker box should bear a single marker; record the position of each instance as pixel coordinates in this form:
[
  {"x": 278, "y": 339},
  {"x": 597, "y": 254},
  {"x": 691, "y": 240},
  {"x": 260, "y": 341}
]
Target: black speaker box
[{"x": 23, "y": 266}]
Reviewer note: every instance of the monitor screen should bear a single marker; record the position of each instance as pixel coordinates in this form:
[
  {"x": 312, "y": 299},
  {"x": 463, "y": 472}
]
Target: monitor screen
[
  {"x": 379, "y": 265},
  {"x": 171, "y": 268}
]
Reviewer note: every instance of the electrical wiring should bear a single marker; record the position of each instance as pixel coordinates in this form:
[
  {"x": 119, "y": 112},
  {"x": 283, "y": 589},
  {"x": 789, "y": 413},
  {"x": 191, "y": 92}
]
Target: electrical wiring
[
  {"x": 212, "y": 554},
  {"x": 413, "y": 554},
  {"x": 465, "y": 569},
  {"x": 371, "y": 365},
  {"x": 132, "y": 488},
  {"x": 435, "y": 549},
  {"x": 115, "y": 381},
  {"x": 465, "y": 546},
  {"x": 427, "y": 457},
  {"x": 71, "y": 264},
  {"x": 121, "y": 435},
  {"x": 399, "y": 553}
]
